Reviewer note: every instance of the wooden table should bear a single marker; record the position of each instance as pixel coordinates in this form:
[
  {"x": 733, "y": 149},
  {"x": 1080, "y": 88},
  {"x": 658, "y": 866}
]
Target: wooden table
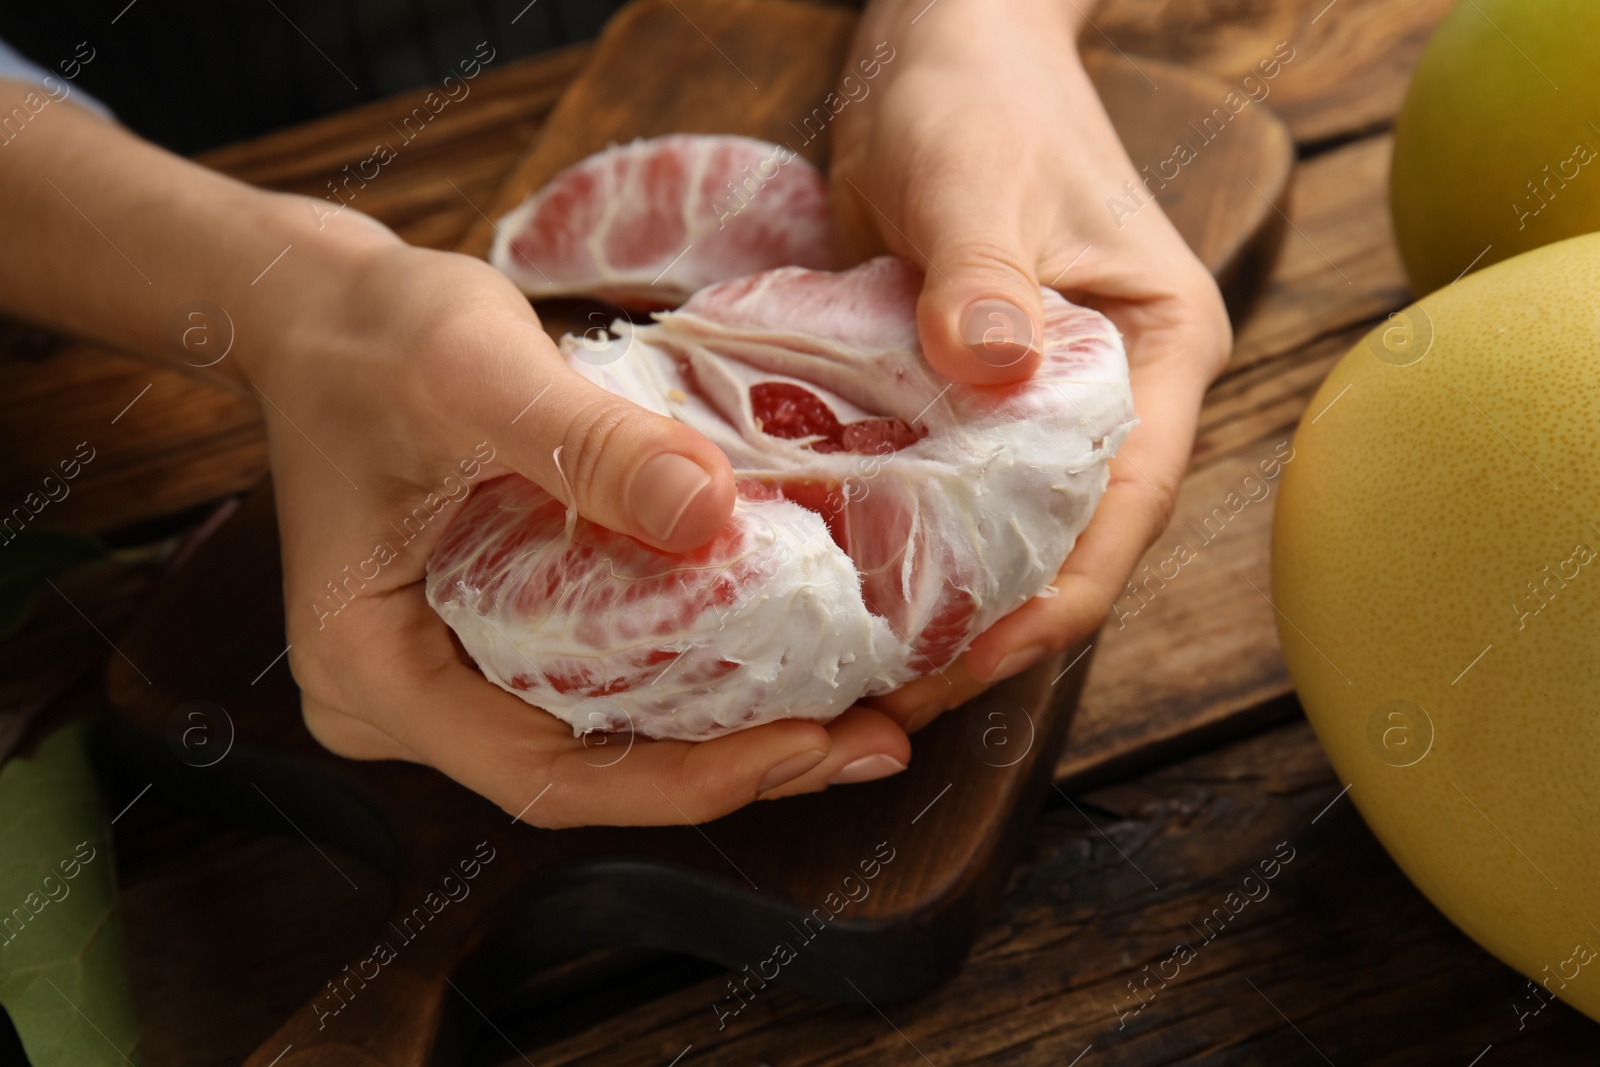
[{"x": 1188, "y": 768}]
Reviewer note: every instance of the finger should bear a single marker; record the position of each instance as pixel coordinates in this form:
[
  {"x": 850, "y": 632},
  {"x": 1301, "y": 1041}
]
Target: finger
[
  {"x": 980, "y": 316},
  {"x": 1135, "y": 509},
  {"x": 854, "y": 220},
  {"x": 1088, "y": 584},
  {"x": 918, "y": 702},
  {"x": 625, "y": 468},
  {"x": 980, "y": 313},
  {"x": 867, "y": 745},
  {"x": 349, "y": 736},
  {"x": 495, "y": 744},
  {"x": 980, "y": 310}
]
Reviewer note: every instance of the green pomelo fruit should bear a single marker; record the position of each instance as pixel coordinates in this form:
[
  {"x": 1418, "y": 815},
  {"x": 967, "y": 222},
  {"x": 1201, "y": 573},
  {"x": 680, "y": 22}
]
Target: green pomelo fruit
[{"x": 1497, "y": 147}]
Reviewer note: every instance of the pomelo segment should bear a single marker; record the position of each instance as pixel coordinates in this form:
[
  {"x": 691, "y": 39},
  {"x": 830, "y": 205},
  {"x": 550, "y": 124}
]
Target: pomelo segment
[
  {"x": 648, "y": 223},
  {"x": 790, "y": 411},
  {"x": 886, "y": 515}
]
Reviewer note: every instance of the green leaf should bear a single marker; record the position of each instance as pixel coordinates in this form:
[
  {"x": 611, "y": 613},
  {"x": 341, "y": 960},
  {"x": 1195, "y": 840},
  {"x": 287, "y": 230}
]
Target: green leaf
[
  {"x": 62, "y": 975},
  {"x": 31, "y": 557}
]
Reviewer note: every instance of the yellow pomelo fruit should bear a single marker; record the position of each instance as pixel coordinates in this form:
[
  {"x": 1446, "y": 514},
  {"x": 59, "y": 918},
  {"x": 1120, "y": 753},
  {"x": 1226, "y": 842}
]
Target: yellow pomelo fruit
[
  {"x": 1497, "y": 147},
  {"x": 1436, "y": 566}
]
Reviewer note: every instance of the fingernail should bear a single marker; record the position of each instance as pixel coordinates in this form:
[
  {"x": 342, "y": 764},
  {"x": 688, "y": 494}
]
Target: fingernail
[
  {"x": 1017, "y": 662},
  {"x": 999, "y": 332},
  {"x": 790, "y": 769},
  {"x": 866, "y": 769},
  {"x": 663, "y": 490}
]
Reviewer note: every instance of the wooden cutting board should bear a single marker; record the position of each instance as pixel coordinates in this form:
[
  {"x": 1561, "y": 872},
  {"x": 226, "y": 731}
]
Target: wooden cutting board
[
  {"x": 867, "y": 892},
  {"x": 760, "y": 67}
]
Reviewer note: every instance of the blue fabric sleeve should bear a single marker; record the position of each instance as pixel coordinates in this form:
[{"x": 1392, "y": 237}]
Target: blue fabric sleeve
[{"x": 14, "y": 64}]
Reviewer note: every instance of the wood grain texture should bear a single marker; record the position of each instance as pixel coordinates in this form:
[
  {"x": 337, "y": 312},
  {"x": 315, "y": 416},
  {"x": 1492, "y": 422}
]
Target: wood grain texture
[
  {"x": 1221, "y": 202},
  {"x": 1190, "y": 652},
  {"x": 1362, "y": 969},
  {"x": 186, "y": 441},
  {"x": 705, "y": 88},
  {"x": 1344, "y": 945},
  {"x": 205, "y": 946},
  {"x": 1338, "y": 265},
  {"x": 1203, "y": 198},
  {"x": 1352, "y": 58},
  {"x": 440, "y": 177},
  {"x": 1194, "y": 657},
  {"x": 951, "y": 827},
  {"x": 181, "y": 442}
]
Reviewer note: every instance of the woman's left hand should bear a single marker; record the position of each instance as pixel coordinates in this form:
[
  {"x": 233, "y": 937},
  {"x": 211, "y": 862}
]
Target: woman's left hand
[{"x": 980, "y": 151}]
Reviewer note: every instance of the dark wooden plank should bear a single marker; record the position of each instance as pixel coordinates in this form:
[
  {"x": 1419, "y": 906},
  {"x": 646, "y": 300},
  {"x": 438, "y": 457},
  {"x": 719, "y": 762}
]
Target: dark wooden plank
[
  {"x": 1338, "y": 264},
  {"x": 187, "y": 441},
  {"x": 205, "y": 944},
  {"x": 430, "y": 192},
  {"x": 181, "y": 441},
  {"x": 1362, "y": 966},
  {"x": 1078, "y": 925},
  {"x": 1352, "y": 58},
  {"x": 61, "y": 641},
  {"x": 212, "y": 627},
  {"x": 1192, "y": 654},
  {"x": 1221, "y": 226},
  {"x": 696, "y": 92}
]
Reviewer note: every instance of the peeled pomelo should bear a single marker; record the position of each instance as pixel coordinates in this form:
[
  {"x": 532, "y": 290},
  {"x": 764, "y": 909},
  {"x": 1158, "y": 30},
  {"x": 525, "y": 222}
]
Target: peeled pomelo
[
  {"x": 1435, "y": 566},
  {"x": 1497, "y": 147}
]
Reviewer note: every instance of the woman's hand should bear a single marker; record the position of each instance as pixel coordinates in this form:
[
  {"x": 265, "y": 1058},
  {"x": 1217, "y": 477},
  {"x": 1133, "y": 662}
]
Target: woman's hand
[
  {"x": 981, "y": 152},
  {"x": 404, "y": 376},
  {"x": 390, "y": 377}
]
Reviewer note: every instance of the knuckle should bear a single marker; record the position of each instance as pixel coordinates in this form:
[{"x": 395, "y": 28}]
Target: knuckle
[
  {"x": 441, "y": 355},
  {"x": 1162, "y": 503},
  {"x": 343, "y": 735},
  {"x": 698, "y": 796},
  {"x": 1154, "y": 496},
  {"x": 525, "y": 768},
  {"x": 1213, "y": 325},
  {"x": 707, "y": 808},
  {"x": 986, "y": 255},
  {"x": 594, "y": 432},
  {"x": 314, "y": 674},
  {"x": 462, "y": 356}
]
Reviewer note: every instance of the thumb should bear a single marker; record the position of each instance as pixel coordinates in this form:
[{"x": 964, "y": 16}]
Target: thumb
[
  {"x": 981, "y": 316},
  {"x": 628, "y": 469}
]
